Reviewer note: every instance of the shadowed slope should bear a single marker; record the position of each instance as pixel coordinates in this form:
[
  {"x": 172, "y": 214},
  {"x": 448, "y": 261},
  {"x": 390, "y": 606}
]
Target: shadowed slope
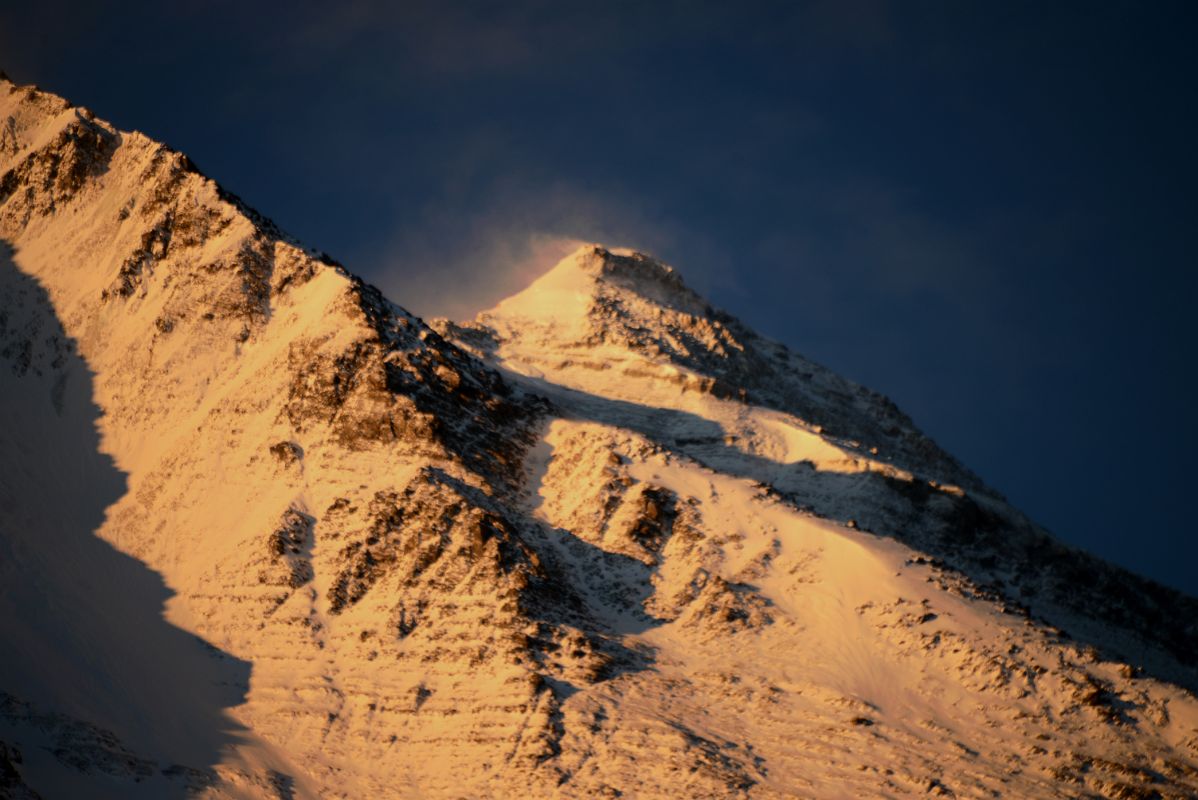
[{"x": 104, "y": 697}]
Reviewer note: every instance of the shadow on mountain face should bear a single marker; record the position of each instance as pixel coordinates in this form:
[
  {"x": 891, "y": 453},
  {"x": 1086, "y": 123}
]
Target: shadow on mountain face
[
  {"x": 1001, "y": 555},
  {"x": 99, "y": 694},
  {"x": 615, "y": 586}
]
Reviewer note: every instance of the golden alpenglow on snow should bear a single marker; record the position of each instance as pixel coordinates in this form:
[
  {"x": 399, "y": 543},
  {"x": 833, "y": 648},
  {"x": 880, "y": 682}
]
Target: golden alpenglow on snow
[{"x": 266, "y": 534}]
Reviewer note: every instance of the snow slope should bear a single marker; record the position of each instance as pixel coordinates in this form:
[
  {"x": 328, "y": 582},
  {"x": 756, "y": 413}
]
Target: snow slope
[{"x": 266, "y": 534}]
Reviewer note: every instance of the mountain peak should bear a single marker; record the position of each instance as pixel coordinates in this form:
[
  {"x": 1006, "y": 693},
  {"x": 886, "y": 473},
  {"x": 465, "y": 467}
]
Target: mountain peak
[
  {"x": 622, "y": 323},
  {"x": 616, "y": 264},
  {"x": 635, "y": 271},
  {"x": 570, "y": 296}
]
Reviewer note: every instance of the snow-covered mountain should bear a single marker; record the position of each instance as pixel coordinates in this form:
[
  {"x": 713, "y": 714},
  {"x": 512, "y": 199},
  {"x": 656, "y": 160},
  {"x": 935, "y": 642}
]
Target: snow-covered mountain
[{"x": 265, "y": 534}]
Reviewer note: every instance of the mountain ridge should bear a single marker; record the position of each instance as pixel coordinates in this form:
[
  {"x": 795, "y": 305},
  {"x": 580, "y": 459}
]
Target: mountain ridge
[
  {"x": 637, "y": 552},
  {"x": 573, "y": 354}
]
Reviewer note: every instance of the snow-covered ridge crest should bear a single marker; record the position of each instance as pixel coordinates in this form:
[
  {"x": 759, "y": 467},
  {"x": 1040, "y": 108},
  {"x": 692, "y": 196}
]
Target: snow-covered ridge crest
[
  {"x": 157, "y": 249},
  {"x": 591, "y": 268},
  {"x": 591, "y": 275},
  {"x": 272, "y": 536}
]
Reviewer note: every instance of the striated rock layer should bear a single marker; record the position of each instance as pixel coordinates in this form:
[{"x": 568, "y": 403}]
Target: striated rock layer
[{"x": 264, "y": 533}]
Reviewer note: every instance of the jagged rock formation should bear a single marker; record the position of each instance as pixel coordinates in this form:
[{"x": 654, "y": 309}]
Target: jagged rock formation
[{"x": 602, "y": 541}]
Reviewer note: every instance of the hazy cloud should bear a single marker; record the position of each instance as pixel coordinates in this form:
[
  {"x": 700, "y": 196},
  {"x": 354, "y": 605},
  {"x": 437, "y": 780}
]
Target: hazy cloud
[{"x": 456, "y": 260}]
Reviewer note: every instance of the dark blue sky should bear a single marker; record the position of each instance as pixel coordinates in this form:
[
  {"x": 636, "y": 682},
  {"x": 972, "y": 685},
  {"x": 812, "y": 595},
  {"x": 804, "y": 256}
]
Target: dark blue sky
[{"x": 986, "y": 211}]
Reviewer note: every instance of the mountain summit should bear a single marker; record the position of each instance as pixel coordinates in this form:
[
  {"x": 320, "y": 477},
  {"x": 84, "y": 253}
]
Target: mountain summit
[
  {"x": 625, "y": 313},
  {"x": 265, "y": 534}
]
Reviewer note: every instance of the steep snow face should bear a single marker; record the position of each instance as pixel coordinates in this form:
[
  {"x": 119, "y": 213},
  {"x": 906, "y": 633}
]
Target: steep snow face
[{"x": 265, "y": 534}]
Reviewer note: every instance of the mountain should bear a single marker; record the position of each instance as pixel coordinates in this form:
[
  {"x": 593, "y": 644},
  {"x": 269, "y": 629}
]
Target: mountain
[{"x": 265, "y": 534}]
